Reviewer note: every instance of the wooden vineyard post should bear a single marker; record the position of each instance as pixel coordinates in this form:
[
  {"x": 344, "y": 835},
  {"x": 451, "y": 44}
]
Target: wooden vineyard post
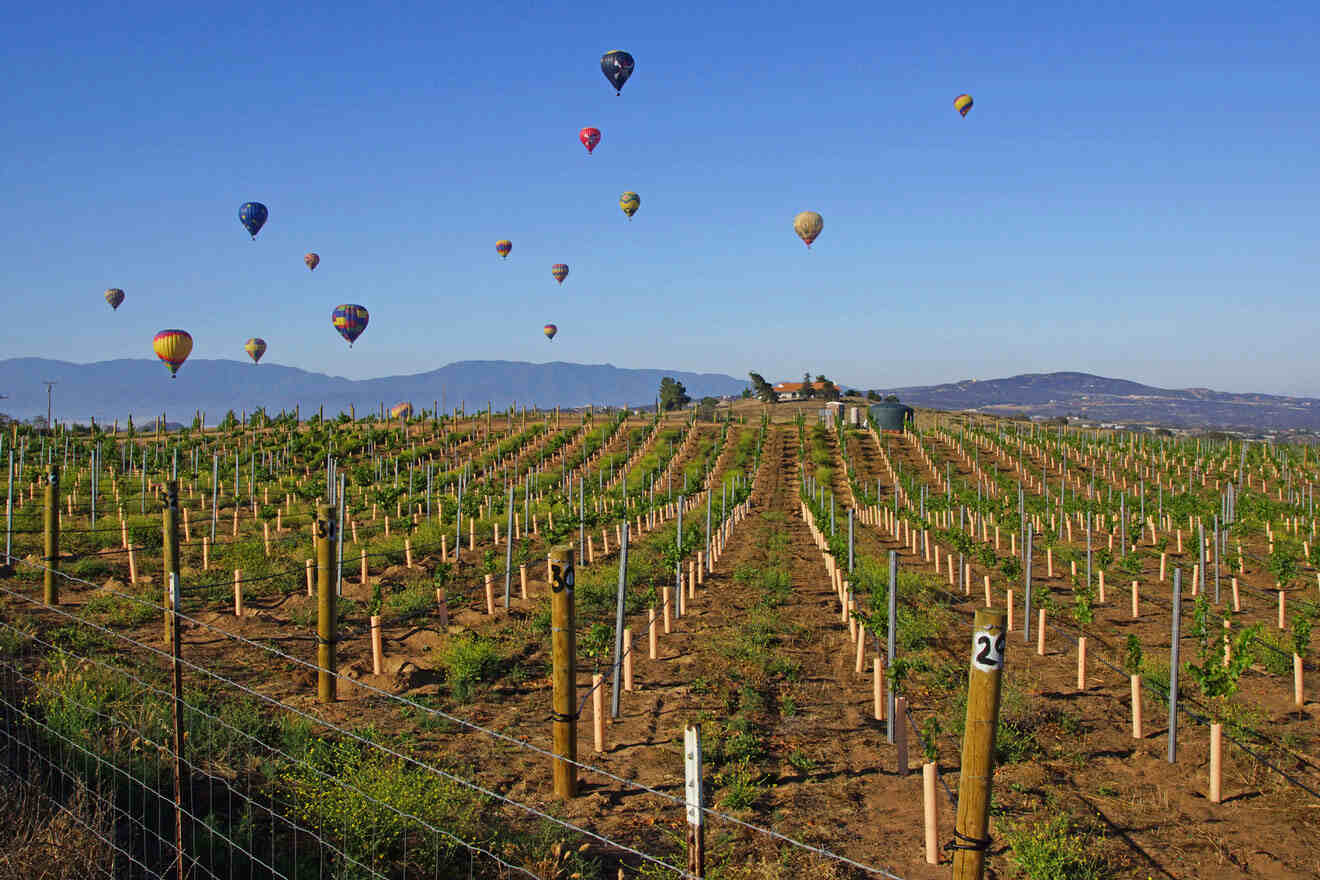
[
  {"x": 311, "y": 578},
  {"x": 325, "y": 604},
  {"x": 696, "y": 830},
  {"x": 51, "y": 529},
  {"x": 563, "y": 641},
  {"x": 983, "y": 689}
]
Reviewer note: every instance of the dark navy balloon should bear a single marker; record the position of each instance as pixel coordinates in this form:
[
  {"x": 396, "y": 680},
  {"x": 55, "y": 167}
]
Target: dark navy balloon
[
  {"x": 253, "y": 216},
  {"x": 617, "y": 67}
]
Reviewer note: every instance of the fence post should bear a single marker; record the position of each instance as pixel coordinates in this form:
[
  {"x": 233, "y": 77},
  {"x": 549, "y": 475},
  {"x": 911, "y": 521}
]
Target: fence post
[
  {"x": 696, "y": 837},
  {"x": 563, "y": 641},
  {"x": 170, "y": 550},
  {"x": 171, "y": 524},
  {"x": 983, "y": 688},
  {"x": 51, "y": 522},
  {"x": 325, "y": 604}
]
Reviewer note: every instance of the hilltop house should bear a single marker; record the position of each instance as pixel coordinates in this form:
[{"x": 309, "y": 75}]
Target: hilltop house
[{"x": 795, "y": 390}]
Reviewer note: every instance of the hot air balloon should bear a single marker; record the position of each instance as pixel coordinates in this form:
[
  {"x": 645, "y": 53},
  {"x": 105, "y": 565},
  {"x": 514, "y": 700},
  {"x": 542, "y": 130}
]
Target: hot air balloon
[
  {"x": 114, "y": 296},
  {"x": 550, "y": 330},
  {"x": 617, "y": 67},
  {"x": 255, "y": 347},
  {"x": 502, "y": 247},
  {"x": 350, "y": 320},
  {"x": 253, "y": 216},
  {"x": 808, "y": 225},
  {"x": 589, "y": 137},
  {"x": 172, "y": 347},
  {"x": 630, "y": 202},
  {"x": 560, "y": 271},
  {"x": 962, "y": 104},
  {"x": 312, "y": 261}
]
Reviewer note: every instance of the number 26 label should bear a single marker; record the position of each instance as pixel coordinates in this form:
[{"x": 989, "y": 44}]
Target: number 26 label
[{"x": 988, "y": 650}]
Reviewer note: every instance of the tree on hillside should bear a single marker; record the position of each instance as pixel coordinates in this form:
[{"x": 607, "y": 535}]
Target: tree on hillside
[
  {"x": 763, "y": 390},
  {"x": 672, "y": 394},
  {"x": 807, "y": 391},
  {"x": 873, "y": 395}
]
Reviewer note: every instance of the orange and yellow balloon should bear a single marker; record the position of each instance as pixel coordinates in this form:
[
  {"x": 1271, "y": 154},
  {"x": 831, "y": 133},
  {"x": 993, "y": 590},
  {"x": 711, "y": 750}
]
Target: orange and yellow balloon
[
  {"x": 808, "y": 225},
  {"x": 502, "y": 247},
  {"x": 172, "y": 347},
  {"x": 255, "y": 347},
  {"x": 962, "y": 104},
  {"x": 550, "y": 330}
]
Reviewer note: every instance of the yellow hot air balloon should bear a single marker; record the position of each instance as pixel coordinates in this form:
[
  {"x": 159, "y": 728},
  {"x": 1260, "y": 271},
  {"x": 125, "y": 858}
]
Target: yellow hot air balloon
[
  {"x": 630, "y": 202},
  {"x": 962, "y": 104},
  {"x": 808, "y": 225},
  {"x": 172, "y": 347}
]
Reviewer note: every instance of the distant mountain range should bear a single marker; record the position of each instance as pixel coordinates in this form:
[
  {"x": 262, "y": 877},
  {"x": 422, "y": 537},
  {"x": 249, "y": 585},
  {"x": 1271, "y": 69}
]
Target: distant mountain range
[
  {"x": 116, "y": 389},
  {"x": 1118, "y": 401}
]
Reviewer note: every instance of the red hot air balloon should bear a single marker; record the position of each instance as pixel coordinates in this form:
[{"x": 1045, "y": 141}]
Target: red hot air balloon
[
  {"x": 589, "y": 137},
  {"x": 560, "y": 271}
]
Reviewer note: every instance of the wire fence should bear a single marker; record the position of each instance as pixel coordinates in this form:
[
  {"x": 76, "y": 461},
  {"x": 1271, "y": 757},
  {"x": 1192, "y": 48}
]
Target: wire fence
[{"x": 282, "y": 825}]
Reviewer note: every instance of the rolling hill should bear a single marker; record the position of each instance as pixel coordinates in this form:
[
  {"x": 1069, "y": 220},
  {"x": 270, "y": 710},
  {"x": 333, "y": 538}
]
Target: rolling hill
[
  {"x": 115, "y": 389},
  {"x": 1118, "y": 401}
]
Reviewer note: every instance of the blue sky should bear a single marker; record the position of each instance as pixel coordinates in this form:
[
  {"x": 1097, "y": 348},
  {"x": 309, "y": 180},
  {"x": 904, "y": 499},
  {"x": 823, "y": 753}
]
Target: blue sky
[{"x": 1134, "y": 193}]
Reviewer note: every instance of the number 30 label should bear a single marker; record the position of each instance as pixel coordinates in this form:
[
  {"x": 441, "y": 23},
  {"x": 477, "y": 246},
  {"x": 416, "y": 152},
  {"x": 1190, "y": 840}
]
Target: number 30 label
[{"x": 988, "y": 650}]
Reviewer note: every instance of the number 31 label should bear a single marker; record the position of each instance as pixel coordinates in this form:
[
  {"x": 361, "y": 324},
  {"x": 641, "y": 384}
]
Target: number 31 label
[{"x": 988, "y": 650}]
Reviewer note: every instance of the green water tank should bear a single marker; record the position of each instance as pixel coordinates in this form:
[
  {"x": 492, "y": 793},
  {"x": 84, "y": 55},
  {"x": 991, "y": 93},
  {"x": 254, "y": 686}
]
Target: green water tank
[{"x": 891, "y": 416}]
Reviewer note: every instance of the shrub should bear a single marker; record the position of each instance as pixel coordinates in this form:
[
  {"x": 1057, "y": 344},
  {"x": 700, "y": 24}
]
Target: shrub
[
  {"x": 469, "y": 661},
  {"x": 1054, "y": 850}
]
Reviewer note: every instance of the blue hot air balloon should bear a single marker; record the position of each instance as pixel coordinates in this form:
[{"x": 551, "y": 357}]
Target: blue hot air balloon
[{"x": 253, "y": 216}]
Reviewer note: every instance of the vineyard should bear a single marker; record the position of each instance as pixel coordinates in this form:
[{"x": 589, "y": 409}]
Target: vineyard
[{"x": 800, "y": 591}]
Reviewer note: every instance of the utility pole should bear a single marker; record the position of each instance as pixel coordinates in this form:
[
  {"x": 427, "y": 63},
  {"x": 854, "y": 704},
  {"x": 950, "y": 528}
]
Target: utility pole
[{"x": 49, "y": 390}]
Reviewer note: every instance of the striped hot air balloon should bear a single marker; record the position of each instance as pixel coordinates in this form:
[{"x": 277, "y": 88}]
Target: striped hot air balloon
[
  {"x": 350, "y": 320},
  {"x": 550, "y": 330},
  {"x": 962, "y": 104},
  {"x": 255, "y": 347},
  {"x": 172, "y": 347},
  {"x": 114, "y": 296},
  {"x": 502, "y": 247},
  {"x": 559, "y": 271}
]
